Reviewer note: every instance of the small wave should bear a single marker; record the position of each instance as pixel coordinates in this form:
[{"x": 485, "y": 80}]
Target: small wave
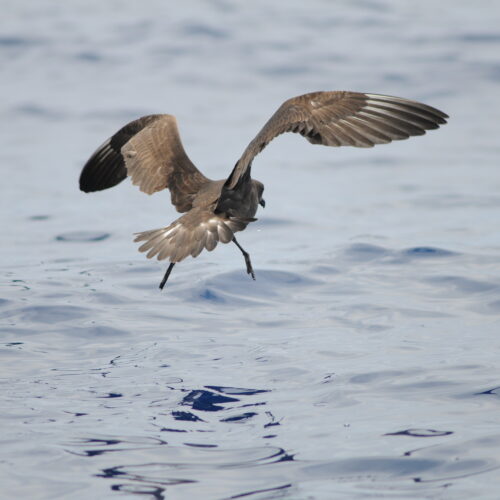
[
  {"x": 425, "y": 252},
  {"x": 47, "y": 314},
  {"x": 425, "y": 433},
  {"x": 81, "y": 236},
  {"x": 236, "y": 288}
]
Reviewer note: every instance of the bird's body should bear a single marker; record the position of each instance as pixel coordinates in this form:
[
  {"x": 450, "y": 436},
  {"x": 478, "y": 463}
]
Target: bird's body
[{"x": 149, "y": 150}]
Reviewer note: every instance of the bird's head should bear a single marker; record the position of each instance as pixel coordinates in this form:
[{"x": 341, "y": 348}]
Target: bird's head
[{"x": 260, "y": 190}]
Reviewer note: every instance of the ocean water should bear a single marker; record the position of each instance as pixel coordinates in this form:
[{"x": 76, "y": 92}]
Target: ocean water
[{"x": 364, "y": 361}]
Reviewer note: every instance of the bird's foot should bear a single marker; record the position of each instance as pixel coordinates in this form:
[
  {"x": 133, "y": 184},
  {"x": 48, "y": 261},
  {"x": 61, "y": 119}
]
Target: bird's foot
[
  {"x": 246, "y": 255},
  {"x": 249, "y": 266}
]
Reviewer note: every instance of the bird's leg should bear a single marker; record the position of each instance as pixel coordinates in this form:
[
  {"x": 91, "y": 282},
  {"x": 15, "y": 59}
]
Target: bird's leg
[
  {"x": 167, "y": 274},
  {"x": 247, "y": 259}
]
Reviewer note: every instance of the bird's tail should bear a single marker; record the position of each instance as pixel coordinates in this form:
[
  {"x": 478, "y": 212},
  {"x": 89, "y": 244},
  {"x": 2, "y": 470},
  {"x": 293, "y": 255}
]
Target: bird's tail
[{"x": 190, "y": 234}]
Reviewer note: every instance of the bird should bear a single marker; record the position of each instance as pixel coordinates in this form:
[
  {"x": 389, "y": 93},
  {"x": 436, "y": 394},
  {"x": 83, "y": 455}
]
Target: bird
[{"x": 149, "y": 151}]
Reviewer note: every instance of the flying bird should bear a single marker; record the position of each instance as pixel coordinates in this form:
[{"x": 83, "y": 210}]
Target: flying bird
[{"x": 149, "y": 150}]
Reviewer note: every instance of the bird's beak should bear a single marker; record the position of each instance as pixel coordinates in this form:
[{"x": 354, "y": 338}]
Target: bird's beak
[{"x": 262, "y": 203}]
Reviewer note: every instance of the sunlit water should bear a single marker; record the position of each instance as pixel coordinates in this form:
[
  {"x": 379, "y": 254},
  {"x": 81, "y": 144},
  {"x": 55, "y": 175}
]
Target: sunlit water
[{"x": 364, "y": 360}]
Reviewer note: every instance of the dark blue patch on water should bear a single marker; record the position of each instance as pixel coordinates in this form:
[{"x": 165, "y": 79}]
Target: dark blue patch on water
[
  {"x": 419, "y": 433},
  {"x": 236, "y": 390},
  {"x": 186, "y": 416},
  {"x": 206, "y": 401},
  {"x": 427, "y": 252}
]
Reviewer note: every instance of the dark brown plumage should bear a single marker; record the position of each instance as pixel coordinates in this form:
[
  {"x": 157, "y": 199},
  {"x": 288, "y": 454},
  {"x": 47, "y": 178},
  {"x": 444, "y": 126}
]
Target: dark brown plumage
[{"x": 150, "y": 151}]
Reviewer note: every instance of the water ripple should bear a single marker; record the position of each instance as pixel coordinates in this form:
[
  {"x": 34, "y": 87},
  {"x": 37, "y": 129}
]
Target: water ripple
[
  {"x": 81, "y": 236},
  {"x": 47, "y": 314}
]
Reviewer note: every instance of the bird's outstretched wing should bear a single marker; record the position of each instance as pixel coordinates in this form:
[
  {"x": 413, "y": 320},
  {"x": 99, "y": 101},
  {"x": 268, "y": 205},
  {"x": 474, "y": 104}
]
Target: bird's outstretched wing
[
  {"x": 342, "y": 118},
  {"x": 199, "y": 229},
  {"x": 150, "y": 151}
]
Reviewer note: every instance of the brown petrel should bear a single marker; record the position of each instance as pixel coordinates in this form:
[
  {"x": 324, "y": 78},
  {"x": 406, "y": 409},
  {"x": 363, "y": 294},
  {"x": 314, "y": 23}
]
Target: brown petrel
[{"x": 150, "y": 151}]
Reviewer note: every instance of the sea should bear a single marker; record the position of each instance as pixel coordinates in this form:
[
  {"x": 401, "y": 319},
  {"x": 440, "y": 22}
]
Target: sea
[{"x": 363, "y": 362}]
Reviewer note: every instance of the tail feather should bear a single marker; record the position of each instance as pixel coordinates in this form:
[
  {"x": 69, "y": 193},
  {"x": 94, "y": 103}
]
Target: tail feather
[{"x": 190, "y": 235}]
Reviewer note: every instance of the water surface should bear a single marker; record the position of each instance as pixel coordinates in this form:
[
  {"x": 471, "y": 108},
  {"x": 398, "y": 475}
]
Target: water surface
[{"x": 363, "y": 361}]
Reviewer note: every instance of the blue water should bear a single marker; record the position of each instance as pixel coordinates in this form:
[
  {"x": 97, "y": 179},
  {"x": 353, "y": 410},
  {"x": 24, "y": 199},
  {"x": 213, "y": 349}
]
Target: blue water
[{"x": 364, "y": 360}]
